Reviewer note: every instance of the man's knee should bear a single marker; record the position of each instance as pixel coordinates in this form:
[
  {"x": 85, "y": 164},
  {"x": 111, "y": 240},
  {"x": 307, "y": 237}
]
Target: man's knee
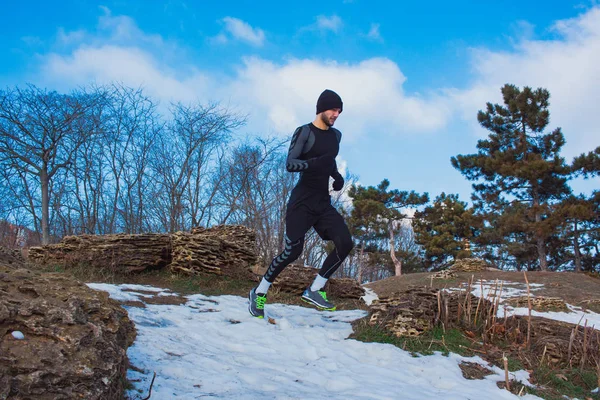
[
  {"x": 297, "y": 248},
  {"x": 344, "y": 245}
]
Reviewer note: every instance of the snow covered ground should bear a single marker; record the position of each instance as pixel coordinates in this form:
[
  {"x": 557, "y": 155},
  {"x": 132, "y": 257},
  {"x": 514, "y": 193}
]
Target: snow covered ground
[
  {"x": 369, "y": 296},
  {"x": 212, "y": 347},
  {"x": 516, "y": 289}
]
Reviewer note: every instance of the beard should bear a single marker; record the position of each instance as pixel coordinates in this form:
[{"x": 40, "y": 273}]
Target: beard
[{"x": 327, "y": 121}]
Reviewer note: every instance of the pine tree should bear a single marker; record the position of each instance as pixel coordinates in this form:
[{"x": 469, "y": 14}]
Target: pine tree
[
  {"x": 521, "y": 170},
  {"x": 380, "y": 210},
  {"x": 364, "y": 227},
  {"x": 583, "y": 214},
  {"x": 587, "y": 165},
  {"x": 445, "y": 229},
  {"x": 579, "y": 216}
]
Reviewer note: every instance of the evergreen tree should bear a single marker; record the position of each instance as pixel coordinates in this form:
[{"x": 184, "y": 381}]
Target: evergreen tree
[
  {"x": 380, "y": 210},
  {"x": 365, "y": 228},
  {"x": 445, "y": 229},
  {"x": 522, "y": 172},
  {"x": 579, "y": 217},
  {"x": 583, "y": 215},
  {"x": 588, "y": 165},
  {"x": 40, "y": 135}
]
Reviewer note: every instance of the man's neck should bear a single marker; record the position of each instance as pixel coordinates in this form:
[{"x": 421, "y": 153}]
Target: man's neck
[{"x": 318, "y": 122}]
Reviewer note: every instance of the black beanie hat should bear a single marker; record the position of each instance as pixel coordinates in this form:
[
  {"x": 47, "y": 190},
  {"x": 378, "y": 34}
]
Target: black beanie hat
[{"x": 328, "y": 100}]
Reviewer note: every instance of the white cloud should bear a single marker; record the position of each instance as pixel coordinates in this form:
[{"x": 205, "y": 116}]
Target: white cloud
[
  {"x": 374, "y": 33},
  {"x": 523, "y": 30},
  {"x": 119, "y": 51},
  {"x": 567, "y": 66},
  {"x": 68, "y": 38},
  {"x": 371, "y": 90},
  {"x": 123, "y": 29},
  {"x": 281, "y": 95},
  {"x": 113, "y": 29},
  {"x": 277, "y": 96},
  {"x": 243, "y": 31},
  {"x": 219, "y": 39},
  {"x": 332, "y": 23},
  {"x": 128, "y": 65},
  {"x": 32, "y": 40}
]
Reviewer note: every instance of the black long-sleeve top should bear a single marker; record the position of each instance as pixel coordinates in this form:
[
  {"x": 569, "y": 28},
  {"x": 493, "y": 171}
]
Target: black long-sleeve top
[{"x": 312, "y": 152}]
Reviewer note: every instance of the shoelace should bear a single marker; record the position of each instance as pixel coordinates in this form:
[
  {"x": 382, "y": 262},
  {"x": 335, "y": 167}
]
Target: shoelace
[
  {"x": 260, "y": 302},
  {"x": 323, "y": 295}
]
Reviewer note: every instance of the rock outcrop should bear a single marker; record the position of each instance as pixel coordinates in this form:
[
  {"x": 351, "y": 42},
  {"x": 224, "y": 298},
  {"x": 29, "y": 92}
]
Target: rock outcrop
[
  {"x": 11, "y": 258},
  {"x": 59, "y": 339},
  {"x": 223, "y": 250},
  {"x": 444, "y": 274},
  {"x": 418, "y": 309},
  {"x": 295, "y": 278},
  {"x": 470, "y": 265},
  {"x": 120, "y": 253},
  {"x": 539, "y": 303},
  {"x": 227, "y": 250}
]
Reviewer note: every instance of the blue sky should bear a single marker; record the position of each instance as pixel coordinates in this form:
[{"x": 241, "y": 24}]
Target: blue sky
[{"x": 412, "y": 76}]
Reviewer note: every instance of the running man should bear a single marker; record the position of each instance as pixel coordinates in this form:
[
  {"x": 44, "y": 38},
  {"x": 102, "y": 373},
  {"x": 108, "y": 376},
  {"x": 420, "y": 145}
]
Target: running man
[{"x": 312, "y": 153}]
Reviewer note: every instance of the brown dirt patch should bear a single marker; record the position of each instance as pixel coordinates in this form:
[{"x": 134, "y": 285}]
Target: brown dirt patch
[
  {"x": 574, "y": 288},
  {"x": 168, "y": 300},
  {"x": 146, "y": 292},
  {"x": 133, "y": 303},
  {"x": 474, "y": 371}
]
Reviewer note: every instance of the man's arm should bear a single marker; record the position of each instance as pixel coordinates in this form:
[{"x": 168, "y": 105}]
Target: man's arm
[
  {"x": 294, "y": 164},
  {"x": 336, "y": 174},
  {"x": 338, "y": 180}
]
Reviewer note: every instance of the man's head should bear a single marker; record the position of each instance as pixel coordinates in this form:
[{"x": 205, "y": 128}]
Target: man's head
[{"x": 329, "y": 106}]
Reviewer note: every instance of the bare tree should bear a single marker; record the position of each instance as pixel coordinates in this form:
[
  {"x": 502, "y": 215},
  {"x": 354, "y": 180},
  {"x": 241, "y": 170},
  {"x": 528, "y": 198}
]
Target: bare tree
[
  {"x": 18, "y": 200},
  {"x": 254, "y": 190},
  {"x": 88, "y": 176},
  {"x": 10, "y": 209},
  {"x": 182, "y": 158},
  {"x": 39, "y": 137},
  {"x": 130, "y": 130},
  {"x": 8, "y": 201}
]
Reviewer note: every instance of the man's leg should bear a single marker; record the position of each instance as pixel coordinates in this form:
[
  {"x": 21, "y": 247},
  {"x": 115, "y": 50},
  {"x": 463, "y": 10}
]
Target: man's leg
[
  {"x": 298, "y": 222},
  {"x": 330, "y": 226},
  {"x": 292, "y": 251},
  {"x": 258, "y": 295}
]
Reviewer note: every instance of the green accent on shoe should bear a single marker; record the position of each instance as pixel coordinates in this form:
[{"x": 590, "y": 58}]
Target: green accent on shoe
[
  {"x": 324, "y": 296},
  {"x": 256, "y": 305},
  {"x": 260, "y": 302}
]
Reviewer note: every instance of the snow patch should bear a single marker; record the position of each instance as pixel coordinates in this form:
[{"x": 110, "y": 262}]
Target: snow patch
[
  {"x": 211, "y": 346},
  {"x": 576, "y": 315},
  {"x": 369, "y": 296}
]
